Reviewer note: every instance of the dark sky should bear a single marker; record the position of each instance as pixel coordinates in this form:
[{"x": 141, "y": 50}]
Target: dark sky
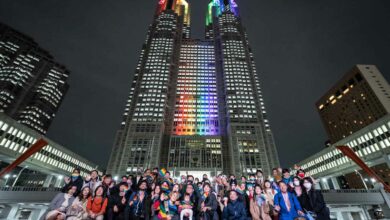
[{"x": 302, "y": 48}]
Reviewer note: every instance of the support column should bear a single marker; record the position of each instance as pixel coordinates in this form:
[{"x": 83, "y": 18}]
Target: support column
[
  {"x": 324, "y": 184},
  {"x": 335, "y": 182},
  {"x": 59, "y": 181},
  {"x": 48, "y": 180}
]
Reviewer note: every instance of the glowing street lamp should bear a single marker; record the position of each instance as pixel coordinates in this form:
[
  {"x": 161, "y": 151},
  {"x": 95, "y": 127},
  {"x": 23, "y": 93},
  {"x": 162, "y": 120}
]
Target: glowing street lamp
[{"x": 6, "y": 179}]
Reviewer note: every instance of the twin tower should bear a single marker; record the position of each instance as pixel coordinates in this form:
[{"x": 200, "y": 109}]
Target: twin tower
[{"x": 195, "y": 105}]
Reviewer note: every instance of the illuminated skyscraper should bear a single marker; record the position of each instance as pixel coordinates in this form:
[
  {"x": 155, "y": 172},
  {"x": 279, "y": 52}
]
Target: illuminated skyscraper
[
  {"x": 360, "y": 98},
  {"x": 32, "y": 84},
  {"x": 195, "y": 105}
]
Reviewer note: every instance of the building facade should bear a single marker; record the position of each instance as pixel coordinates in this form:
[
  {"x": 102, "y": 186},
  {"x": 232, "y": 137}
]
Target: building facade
[
  {"x": 32, "y": 83},
  {"x": 360, "y": 98},
  {"x": 195, "y": 105},
  {"x": 356, "y": 114},
  {"x": 44, "y": 168}
]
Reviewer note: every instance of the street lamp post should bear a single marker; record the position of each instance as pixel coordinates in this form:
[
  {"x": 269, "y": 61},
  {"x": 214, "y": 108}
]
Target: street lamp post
[
  {"x": 361, "y": 177},
  {"x": 17, "y": 177},
  {"x": 6, "y": 179}
]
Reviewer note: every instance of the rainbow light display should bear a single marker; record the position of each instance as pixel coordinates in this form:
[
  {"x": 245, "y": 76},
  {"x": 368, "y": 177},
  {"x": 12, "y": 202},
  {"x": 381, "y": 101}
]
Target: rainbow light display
[
  {"x": 176, "y": 6},
  {"x": 221, "y": 7},
  {"x": 196, "y": 110}
]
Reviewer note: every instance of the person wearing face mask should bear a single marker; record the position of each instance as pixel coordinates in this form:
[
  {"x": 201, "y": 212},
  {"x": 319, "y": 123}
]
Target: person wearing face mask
[
  {"x": 300, "y": 193},
  {"x": 300, "y": 173},
  {"x": 313, "y": 202},
  {"x": 74, "y": 180}
]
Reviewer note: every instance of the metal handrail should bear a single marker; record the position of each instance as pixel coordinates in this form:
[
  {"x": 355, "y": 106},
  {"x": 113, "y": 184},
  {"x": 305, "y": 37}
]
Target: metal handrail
[
  {"x": 30, "y": 189},
  {"x": 350, "y": 191}
]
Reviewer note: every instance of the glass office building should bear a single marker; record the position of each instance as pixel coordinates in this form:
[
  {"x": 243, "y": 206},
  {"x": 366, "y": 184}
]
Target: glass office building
[
  {"x": 195, "y": 105},
  {"x": 32, "y": 83}
]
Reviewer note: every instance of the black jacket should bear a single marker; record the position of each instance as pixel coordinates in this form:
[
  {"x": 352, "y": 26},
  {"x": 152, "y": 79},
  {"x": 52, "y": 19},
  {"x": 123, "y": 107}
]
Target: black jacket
[
  {"x": 210, "y": 201},
  {"x": 315, "y": 203}
]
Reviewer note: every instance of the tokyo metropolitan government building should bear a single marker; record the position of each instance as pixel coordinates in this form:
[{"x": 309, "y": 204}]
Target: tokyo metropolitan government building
[{"x": 195, "y": 105}]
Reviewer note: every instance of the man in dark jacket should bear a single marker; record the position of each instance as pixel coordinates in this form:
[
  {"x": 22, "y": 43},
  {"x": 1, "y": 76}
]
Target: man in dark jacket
[
  {"x": 138, "y": 206},
  {"x": 117, "y": 203},
  {"x": 74, "y": 180},
  {"x": 234, "y": 209}
]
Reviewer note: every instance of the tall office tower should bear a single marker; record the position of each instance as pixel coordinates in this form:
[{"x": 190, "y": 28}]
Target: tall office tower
[
  {"x": 195, "y": 105},
  {"x": 360, "y": 98},
  {"x": 32, "y": 84}
]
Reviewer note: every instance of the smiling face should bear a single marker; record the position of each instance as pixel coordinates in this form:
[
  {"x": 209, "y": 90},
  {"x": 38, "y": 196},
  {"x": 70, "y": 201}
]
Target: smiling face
[
  {"x": 206, "y": 188},
  {"x": 174, "y": 196},
  {"x": 72, "y": 190},
  {"x": 157, "y": 189},
  {"x": 258, "y": 190},
  {"x": 99, "y": 191},
  {"x": 190, "y": 189},
  {"x": 94, "y": 174},
  {"x": 176, "y": 188},
  {"x": 283, "y": 187},
  {"x": 143, "y": 186},
  {"x": 233, "y": 195},
  {"x": 86, "y": 191}
]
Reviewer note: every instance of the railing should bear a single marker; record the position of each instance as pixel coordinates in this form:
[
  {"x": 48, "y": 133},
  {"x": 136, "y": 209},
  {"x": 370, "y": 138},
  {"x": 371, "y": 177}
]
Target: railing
[
  {"x": 30, "y": 189},
  {"x": 350, "y": 191},
  {"x": 25, "y": 194}
]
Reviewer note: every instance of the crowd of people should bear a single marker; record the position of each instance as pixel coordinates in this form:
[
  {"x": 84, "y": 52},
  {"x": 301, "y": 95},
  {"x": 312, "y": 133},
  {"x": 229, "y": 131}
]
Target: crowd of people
[{"x": 154, "y": 194}]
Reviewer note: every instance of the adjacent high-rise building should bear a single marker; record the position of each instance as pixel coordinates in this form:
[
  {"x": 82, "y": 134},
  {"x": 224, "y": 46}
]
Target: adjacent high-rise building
[
  {"x": 32, "y": 84},
  {"x": 195, "y": 105},
  {"x": 355, "y": 113},
  {"x": 360, "y": 98}
]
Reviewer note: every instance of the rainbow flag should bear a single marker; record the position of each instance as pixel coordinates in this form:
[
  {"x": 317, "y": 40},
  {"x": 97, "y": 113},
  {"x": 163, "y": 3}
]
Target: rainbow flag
[{"x": 162, "y": 172}]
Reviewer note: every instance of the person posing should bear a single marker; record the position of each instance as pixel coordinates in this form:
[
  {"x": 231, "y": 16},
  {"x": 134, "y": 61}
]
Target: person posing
[
  {"x": 78, "y": 210},
  {"x": 189, "y": 189},
  {"x": 287, "y": 204},
  {"x": 269, "y": 194},
  {"x": 208, "y": 204},
  {"x": 108, "y": 184},
  {"x": 258, "y": 206},
  {"x": 138, "y": 205},
  {"x": 173, "y": 213},
  {"x": 259, "y": 178},
  {"x": 234, "y": 209},
  {"x": 92, "y": 180},
  {"x": 166, "y": 206},
  {"x": 185, "y": 207},
  {"x": 313, "y": 201},
  {"x": 60, "y": 204},
  {"x": 96, "y": 205},
  {"x": 74, "y": 180},
  {"x": 117, "y": 203},
  {"x": 287, "y": 179},
  {"x": 156, "y": 193}
]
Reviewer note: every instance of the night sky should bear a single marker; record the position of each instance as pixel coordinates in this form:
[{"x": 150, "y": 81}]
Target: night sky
[{"x": 301, "y": 47}]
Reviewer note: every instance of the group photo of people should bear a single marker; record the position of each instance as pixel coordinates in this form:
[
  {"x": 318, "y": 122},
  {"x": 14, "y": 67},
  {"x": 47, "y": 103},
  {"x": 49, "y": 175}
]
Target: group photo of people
[{"x": 156, "y": 194}]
